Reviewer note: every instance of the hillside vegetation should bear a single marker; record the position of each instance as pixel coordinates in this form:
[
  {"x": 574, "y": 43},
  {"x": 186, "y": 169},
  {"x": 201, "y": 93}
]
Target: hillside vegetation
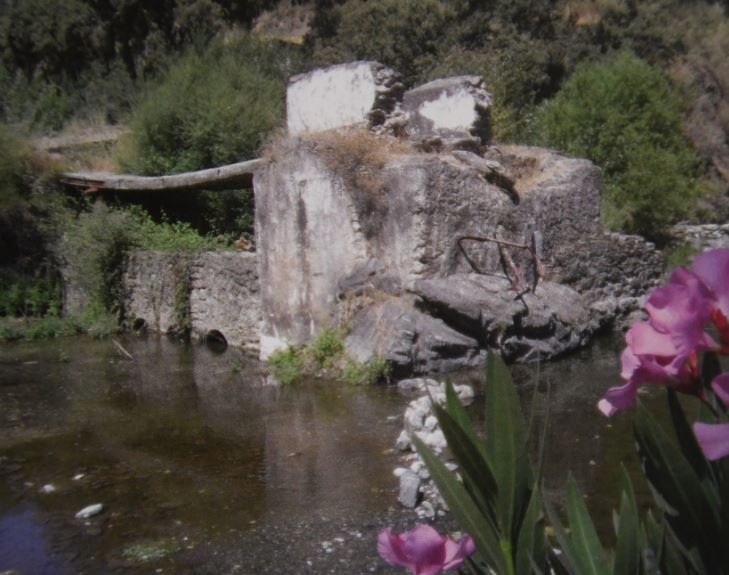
[{"x": 639, "y": 87}]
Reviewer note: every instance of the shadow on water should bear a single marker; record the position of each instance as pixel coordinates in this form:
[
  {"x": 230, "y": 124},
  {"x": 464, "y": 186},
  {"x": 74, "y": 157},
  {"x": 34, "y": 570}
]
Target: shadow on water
[{"x": 185, "y": 447}]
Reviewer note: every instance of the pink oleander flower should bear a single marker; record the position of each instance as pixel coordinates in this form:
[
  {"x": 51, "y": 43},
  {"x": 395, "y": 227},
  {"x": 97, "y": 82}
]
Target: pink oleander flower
[
  {"x": 713, "y": 438},
  {"x": 662, "y": 350},
  {"x": 423, "y": 550},
  {"x": 712, "y": 267}
]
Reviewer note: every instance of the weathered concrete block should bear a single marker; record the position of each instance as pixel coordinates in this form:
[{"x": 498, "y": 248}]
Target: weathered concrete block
[
  {"x": 357, "y": 93},
  {"x": 225, "y": 297},
  {"x": 317, "y": 232},
  {"x": 454, "y": 111}
]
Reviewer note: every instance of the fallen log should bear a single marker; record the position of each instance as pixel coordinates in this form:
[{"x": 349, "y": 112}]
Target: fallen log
[{"x": 229, "y": 177}]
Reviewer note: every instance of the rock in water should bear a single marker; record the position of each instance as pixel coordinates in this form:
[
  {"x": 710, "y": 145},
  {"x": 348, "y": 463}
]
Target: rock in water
[
  {"x": 409, "y": 489},
  {"x": 90, "y": 511}
]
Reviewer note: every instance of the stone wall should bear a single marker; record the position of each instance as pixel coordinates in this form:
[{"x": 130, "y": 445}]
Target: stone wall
[
  {"x": 156, "y": 285},
  {"x": 211, "y": 291},
  {"x": 225, "y": 296}
]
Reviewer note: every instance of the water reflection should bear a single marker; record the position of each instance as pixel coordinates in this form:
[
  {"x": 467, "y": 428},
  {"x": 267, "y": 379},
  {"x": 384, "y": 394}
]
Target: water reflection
[
  {"x": 184, "y": 444},
  {"x": 184, "y": 440}
]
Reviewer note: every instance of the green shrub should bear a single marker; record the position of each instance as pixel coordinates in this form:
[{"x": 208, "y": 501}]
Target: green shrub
[
  {"x": 168, "y": 236},
  {"x": 287, "y": 365},
  {"x": 12, "y": 168},
  {"x": 356, "y": 373},
  {"x": 208, "y": 110},
  {"x": 22, "y": 296},
  {"x": 326, "y": 348},
  {"x": 625, "y": 116}
]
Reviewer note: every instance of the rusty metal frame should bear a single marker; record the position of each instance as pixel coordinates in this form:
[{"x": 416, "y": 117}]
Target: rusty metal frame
[{"x": 512, "y": 273}]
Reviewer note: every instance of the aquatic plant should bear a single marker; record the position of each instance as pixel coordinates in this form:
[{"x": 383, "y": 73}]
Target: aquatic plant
[{"x": 423, "y": 550}]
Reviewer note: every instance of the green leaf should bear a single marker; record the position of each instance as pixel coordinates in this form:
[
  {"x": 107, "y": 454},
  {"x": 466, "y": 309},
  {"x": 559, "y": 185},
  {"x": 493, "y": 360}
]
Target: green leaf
[
  {"x": 478, "y": 478},
  {"x": 677, "y": 488},
  {"x": 567, "y": 557},
  {"x": 710, "y": 368},
  {"x": 530, "y": 555},
  {"x": 690, "y": 447},
  {"x": 652, "y": 542},
  {"x": 588, "y": 551},
  {"x": 627, "y": 547},
  {"x": 506, "y": 446},
  {"x": 463, "y": 507}
]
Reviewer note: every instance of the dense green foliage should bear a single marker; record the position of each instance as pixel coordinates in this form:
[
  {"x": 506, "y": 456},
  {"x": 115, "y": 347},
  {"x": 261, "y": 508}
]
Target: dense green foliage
[
  {"x": 625, "y": 116},
  {"x": 97, "y": 243},
  {"x": 325, "y": 354},
  {"x": 209, "y": 110},
  {"x": 64, "y": 58}
]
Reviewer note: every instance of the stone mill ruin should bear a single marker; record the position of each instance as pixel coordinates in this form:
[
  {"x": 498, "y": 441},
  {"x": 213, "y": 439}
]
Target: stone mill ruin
[{"x": 391, "y": 213}]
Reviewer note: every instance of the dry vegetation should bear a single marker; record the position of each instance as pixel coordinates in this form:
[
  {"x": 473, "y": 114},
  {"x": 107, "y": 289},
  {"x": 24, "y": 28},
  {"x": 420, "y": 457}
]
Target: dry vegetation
[{"x": 359, "y": 158}]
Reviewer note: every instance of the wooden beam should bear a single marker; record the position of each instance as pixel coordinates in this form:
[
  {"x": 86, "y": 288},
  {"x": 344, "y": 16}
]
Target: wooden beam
[{"x": 230, "y": 177}]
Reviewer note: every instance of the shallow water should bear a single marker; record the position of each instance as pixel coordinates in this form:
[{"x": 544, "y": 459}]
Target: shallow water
[{"x": 188, "y": 449}]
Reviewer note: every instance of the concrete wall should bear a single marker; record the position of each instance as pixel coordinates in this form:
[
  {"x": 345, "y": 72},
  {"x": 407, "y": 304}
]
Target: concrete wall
[{"x": 315, "y": 232}]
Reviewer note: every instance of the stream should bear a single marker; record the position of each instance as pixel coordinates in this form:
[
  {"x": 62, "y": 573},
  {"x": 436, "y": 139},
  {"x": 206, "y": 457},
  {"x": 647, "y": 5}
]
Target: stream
[{"x": 202, "y": 468}]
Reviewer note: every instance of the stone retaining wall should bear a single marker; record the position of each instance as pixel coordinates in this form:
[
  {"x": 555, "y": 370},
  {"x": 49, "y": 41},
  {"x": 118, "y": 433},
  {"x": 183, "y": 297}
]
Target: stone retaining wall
[{"x": 211, "y": 291}]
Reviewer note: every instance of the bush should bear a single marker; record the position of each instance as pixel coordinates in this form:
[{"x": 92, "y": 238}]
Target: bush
[
  {"x": 326, "y": 348},
  {"x": 375, "y": 370},
  {"x": 208, "y": 110},
  {"x": 287, "y": 365},
  {"x": 27, "y": 296},
  {"x": 12, "y": 168},
  {"x": 96, "y": 246},
  {"x": 625, "y": 116}
]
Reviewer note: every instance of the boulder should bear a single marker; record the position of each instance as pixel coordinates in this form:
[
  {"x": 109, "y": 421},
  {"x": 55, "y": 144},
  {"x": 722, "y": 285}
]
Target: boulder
[
  {"x": 540, "y": 325},
  {"x": 451, "y": 112},
  {"x": 410, "y": 340},
  {"x": 357, "y": 93}
]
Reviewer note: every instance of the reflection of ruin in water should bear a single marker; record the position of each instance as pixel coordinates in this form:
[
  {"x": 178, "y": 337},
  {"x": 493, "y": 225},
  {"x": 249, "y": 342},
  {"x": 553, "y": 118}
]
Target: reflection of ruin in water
[{"x": 182, "y": 442}]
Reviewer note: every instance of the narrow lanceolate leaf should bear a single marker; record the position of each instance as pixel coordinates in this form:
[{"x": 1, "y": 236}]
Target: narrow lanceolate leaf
[
  {"x": 478, "y": 478},
  {"x": 627, "y": 559},
  {"x": 651, "y": 536},
  {"x": 506, "y": 447},
  {"x": 459, "y": 415},
  {"x": 567, "y": 557},
  {"x": 463, "y": 507},
  {"x": 681, "y": 494},
  {"x": 588, "y": 550},
  {"x": 687, "y": 441},
  {"x": 530, "y": 555}
]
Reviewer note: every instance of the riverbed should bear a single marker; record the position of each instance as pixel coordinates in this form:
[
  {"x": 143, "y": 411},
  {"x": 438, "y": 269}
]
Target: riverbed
[{"x": 203, "y": 468}]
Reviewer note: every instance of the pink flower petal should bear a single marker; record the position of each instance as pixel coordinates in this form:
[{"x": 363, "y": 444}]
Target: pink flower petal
[
  {"x": 456, "y": 553},
  {"x": 618, "y": 398},
  {"x": 720, "y": 385},
  {"x": 712, "y": 267},
  {"x": 713, "y": 439},
  {"x": 643, "y": 339},
  {"x": 424, "y": 547},
  {"x": 390, "y": 548}
]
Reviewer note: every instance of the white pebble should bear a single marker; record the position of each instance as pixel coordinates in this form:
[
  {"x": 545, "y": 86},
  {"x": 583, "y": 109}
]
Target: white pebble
[{"x": 90, "y": 511}]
